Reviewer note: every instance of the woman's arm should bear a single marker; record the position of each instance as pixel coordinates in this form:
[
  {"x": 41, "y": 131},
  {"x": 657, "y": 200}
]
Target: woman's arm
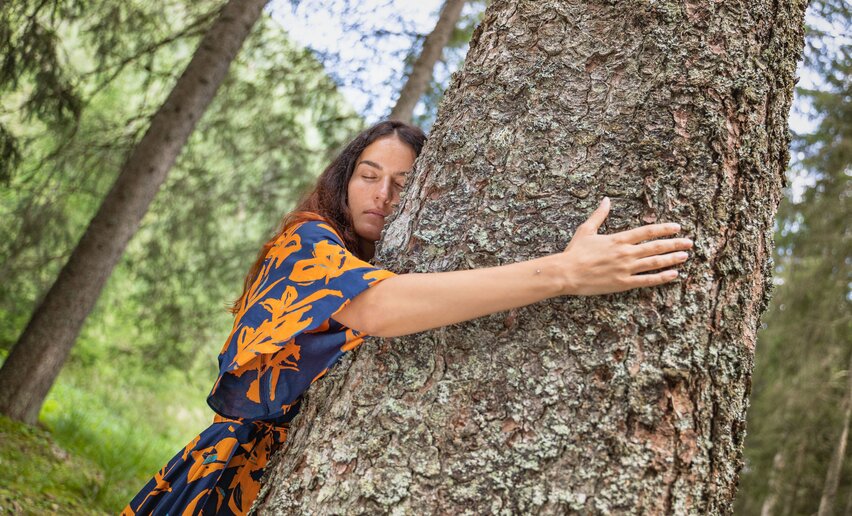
[{"x": 591, "y": 264}]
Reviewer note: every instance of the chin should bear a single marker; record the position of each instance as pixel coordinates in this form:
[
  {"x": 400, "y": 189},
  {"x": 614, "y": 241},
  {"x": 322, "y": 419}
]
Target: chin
[{"x": 370, "y": 233}]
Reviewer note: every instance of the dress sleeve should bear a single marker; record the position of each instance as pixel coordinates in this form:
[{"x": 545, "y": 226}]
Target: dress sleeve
[{"x": 282, "y": 336}]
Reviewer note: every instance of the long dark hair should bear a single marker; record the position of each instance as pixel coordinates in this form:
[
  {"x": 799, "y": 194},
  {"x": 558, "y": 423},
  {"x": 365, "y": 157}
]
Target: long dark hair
[{"x": 328, "y": 200}]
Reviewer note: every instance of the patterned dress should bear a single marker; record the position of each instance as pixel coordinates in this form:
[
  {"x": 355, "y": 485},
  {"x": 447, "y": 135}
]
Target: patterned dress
[{"x": 283, "y": 340}]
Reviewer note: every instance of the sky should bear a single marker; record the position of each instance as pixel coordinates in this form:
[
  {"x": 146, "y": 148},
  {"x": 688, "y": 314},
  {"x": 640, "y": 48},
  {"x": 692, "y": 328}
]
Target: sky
[{"x": 373, "y": 63}]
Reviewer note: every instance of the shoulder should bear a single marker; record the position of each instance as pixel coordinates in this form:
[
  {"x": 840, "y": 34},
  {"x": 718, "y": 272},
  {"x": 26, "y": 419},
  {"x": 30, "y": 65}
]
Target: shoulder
[
  {"x": 316, "y": 231},
  {"x": 303, "y": 237}
]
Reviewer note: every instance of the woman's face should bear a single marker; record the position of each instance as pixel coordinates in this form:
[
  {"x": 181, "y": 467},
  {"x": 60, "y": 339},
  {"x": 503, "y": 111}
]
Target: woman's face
[{"x": 376, "y": 182}]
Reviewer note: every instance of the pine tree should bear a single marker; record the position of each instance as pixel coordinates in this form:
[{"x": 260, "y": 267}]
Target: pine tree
[{"x": 624, "y": 403}]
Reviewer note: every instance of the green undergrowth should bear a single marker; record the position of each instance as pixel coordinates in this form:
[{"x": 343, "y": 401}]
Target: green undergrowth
[
  {"x": 103, "y": 433},
  {"x": 37, "y": 476}
]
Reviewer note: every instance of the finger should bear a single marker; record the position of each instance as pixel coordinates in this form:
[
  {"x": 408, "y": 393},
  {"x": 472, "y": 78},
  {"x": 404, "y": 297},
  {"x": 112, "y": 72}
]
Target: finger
[
  {"x": 666, "y": 245},
  {"x": 593, "y": 223},
  {"x": 658, "y": 262},
  {"x": 646, "y": 232},
  {"x": 650, "y": 280}
]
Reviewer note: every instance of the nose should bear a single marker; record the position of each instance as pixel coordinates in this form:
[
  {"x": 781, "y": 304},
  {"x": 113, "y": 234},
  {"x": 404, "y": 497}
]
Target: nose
[{"x": 384, "y": 191}]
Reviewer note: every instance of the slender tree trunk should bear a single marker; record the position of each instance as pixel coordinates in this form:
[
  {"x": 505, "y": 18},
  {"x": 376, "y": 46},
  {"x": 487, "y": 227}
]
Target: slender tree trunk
[
  {"x": 798, "y": 472},
  {"x": 421, "y": 72},
  {"x": 629, "y": 403},
  {"x": 848, "y": 503},
  {"x": 38, "y": 356},
  {"x": 775, "y": 476},
  {"x": 832, "y": 476}
]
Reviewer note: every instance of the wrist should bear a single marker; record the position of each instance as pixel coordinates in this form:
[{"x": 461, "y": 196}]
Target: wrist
[{"x": 552, "y": 270}]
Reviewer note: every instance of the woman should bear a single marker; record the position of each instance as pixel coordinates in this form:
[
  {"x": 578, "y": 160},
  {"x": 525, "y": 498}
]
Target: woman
[{"x": 312, "y": 295}]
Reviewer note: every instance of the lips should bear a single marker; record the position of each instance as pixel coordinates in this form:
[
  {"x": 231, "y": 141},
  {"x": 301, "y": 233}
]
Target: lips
[{"x": 375, "y": 212}]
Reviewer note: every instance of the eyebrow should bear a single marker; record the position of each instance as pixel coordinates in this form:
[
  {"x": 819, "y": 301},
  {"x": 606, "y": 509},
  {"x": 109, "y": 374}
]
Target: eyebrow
[{"x": 376, "y": 165}]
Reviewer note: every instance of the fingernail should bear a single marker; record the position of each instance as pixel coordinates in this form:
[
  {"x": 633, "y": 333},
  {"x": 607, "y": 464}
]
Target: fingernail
[
  {"x": 671, "y": 274},
  {"x": 605, "y": 199},
  {"x": 674, "y": 226},
  {"x": 681, "y": 255}
]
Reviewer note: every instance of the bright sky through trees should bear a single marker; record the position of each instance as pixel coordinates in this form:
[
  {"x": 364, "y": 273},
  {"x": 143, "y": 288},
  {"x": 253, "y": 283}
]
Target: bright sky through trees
[{"x": 369, "y": 67}]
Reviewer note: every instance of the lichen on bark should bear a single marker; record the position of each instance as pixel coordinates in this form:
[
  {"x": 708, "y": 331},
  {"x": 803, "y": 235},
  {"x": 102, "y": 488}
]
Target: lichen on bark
[{"x": 628, "y": 403}]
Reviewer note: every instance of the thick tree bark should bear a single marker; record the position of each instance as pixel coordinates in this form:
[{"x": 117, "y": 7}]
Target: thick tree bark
[
  {"x": 424, "y": 66},
  {"x": 38, "y": 356},
  {"x": 628, "y": 403},
  {"x": 832, "y": 475}
]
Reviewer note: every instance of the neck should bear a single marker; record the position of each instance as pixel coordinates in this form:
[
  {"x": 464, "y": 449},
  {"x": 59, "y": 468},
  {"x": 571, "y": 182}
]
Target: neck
[{"x": 369, "y": 248}]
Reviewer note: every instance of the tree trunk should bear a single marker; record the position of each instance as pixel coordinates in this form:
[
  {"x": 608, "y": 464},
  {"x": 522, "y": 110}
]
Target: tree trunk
[
  {"x": 775, "y": 476},
  {"x": 37, "y": 357},
  {"x": 629, "y": 403},
  {"x": 848, "y": 503},
  {"x": 832, "y": 476},
  {"x": 798, "y": 474},
  {"x": 421, "y": 72}
]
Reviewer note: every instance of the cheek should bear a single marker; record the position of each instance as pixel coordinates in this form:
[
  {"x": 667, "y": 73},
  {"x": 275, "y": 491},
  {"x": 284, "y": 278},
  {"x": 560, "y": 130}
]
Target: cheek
[
  {"x": 356, "y": 194},
  {"x": 351, "y": 195}
]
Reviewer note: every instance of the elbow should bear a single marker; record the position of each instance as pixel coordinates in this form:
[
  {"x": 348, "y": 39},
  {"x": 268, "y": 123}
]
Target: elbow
[
  {"x": 382, "y": 332},
  {"x": 381, "y": 324},
  {"x": 364, "y": 314},
  {"x": 375, "y": 324},
  {"x": 378, "y": 320},
  {"x": 366, "y": 326},
  {"x": 373, "y": 312}
]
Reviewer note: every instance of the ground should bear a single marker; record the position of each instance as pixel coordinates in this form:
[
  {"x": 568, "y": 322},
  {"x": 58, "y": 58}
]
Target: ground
[{"x": 39, "y": 477}]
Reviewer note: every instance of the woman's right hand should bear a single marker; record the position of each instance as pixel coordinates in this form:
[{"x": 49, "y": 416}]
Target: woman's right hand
[{"x": 602, "y": 264}]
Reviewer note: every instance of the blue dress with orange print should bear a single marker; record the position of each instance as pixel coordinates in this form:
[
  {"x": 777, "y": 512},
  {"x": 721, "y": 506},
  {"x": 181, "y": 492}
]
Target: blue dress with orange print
[{"x": 284, "y": 338}]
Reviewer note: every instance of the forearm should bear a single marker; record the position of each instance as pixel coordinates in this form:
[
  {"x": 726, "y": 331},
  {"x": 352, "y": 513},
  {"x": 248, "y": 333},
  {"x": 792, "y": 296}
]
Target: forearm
[
  {"x": 592, "y": 264},
  {"x": 410, "y": 303}
]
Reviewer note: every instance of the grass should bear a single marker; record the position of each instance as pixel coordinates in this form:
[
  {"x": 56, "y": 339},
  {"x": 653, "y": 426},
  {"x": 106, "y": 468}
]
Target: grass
[
  {"x": 103, "y": 435},
  {"x": 39, "y": 477}
]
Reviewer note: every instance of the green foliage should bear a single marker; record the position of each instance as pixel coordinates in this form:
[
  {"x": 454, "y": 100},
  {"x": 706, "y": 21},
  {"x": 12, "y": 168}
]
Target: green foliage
[
  {"x": 258, "y": 146},
  {"x": 32, "y": 55},
  {"x": 39, "y": 66}
]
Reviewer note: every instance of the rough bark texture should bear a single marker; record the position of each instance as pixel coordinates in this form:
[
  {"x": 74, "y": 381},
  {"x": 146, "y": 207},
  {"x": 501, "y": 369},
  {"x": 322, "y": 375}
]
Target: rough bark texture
[
  {"x": 832, "y": 475},
  {"x": 629, "y": 403},
  {"x": 421, "y": 72},
  {"x": 38, "y": 356}
]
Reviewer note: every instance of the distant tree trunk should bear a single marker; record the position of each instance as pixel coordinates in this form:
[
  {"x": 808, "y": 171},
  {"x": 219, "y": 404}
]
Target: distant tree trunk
[
  {"x": 832, "y": 476},
  {"x": 768, "y": 507},
  {"x": 421, "y": 72},
  {"x": 848, "y": 503},
  {"x": 37, "y": 357},
  {"x": 798, "y": 473},
  {"x": 630, "y": 403}
]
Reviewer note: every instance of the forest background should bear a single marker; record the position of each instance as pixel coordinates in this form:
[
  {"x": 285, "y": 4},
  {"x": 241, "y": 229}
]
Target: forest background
[{"x": 79, "y": 93}]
